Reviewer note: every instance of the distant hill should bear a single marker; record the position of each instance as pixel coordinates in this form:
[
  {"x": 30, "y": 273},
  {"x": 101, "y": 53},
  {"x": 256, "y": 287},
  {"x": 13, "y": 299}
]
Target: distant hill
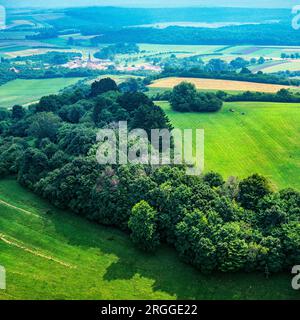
[{"x": 148, "y": 3}]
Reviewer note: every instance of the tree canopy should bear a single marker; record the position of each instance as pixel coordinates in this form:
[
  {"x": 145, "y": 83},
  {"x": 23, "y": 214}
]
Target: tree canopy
[{"x": 186, "y": 98}]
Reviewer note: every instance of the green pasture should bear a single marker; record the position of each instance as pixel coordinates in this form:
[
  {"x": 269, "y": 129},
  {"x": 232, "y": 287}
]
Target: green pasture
[
  {"x": 52, "y": 254},
  {"x": 26, "y": 91},
  {"x": 249, "y": 137}
]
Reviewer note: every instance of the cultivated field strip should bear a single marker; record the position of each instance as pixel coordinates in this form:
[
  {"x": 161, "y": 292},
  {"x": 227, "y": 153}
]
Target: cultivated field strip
[{"x": 217, "y": 84}]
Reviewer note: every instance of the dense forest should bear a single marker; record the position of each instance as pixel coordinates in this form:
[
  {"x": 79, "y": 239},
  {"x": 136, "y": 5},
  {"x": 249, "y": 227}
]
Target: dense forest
[
  {"x": 111, "y": 51},
  {"x": 213, "y": 224},
  {"x": 114, "y": 25},
  {"x": 117, "y": 17},
  {"x": 282, "y": 95},
  {"x": 259, "y": 77},
  {"x": 266, "y": 34},
  {"x": 185, "y": 98}
]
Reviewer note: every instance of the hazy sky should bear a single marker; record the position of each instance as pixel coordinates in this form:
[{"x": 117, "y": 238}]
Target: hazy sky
[{"x": 151, "y": 3}]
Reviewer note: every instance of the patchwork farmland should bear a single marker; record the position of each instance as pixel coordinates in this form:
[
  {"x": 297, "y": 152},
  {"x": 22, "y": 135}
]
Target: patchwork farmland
[{"x": 72, "y": 229}]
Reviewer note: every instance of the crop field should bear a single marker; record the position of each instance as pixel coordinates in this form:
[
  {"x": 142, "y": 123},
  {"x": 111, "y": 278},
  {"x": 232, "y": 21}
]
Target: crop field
[
  {"x": 258, "y": 51},
  {"x": 216, "y": 84},
  {"x": 291, "y": 65},
  {"x": 13, "y": 35},
  {"x": 25, "y": 52},
  {"x": 51, "y": 254},
  {"x": 268, "y": 66},
  {"x": 59, "y": 41},
  {"x": 228, "y": 53},
  {"x": 244, "y": 50},
  {"x": 8, "y": 49},
  {"x": 26, "y": 91},
  {"x": 272, "y": 54},
  {"x": 256, "y": 137}
]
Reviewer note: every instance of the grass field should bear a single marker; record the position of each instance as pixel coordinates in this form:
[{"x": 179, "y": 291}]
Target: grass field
[
  {"x": 26, "y": 91},
  {"x": 216, "y": 84},
  {"x": 26, "y": 52},
  {"x": 8, "y": 49},
  {"x": 267, "y": 66},
  {"x": 50, "y": 254},
  {"x": 264, "y": 140},
  {"x": 196, "y": 49}
]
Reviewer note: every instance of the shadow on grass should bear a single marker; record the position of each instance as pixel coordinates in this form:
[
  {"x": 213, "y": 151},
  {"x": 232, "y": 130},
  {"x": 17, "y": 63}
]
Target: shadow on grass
[
  {"x": 165, "y": 269},
  {"x": 167, "y": 274}
]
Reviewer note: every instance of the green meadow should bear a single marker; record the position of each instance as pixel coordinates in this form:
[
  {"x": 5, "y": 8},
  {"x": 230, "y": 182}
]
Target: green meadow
[
  {"x": 51, "y": 254},
  {"x": 26, "y": 91},
  {"x": 257, "y": 137}
]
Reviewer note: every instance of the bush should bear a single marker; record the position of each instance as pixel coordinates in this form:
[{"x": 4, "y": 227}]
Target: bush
[
  {"x": 102, "y": 86},
  {"x": 252, "y": 190},
  {"x": 185, "y": 98},
  {"x": 142, "y": 224}
]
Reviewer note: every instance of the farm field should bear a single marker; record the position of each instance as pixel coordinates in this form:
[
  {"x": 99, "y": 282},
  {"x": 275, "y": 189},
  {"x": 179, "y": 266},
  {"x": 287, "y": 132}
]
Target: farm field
[
  {"x": 270, "y": 51},
  {"x": 272, "y": 54},
  {"x": 197, "y": 49},
  {"x": 8, "y": 49},
  {"x": 14, "y": 35},
  {"x": 259, "y": 51},
  {"x": 26, "y": 91},
  {"x": 264, "y": 140},
  {"x": 35, "y": 51},
  {"x": 51, "y": 254},
  {"x": 246, "y": 50},
  {"x": 216, "y": 84},
  {"x": 267, "y": 66},
  {"x": 288, "y": 65}
]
